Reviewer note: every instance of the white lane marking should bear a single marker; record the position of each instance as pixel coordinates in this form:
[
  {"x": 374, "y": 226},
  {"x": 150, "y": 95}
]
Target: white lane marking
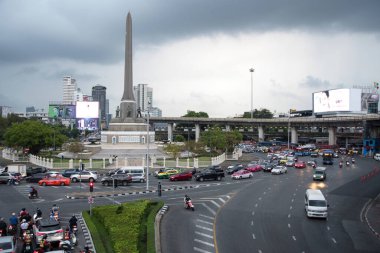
[
  {"x": 206, "y": 222},
  {"x": 202, "y": 227},
  {"x": 205, "y": 216},
  {"x": 58, "y": 200},
  {"x": 294, "y": 238},
  {"x": 264, "y": 193},
  {"x": 364, "y": 208},
  {"x": 216, "y": 204},
  {"x": 222, "y": 200},
  {"x": 251, "y": 223},
  {"x": 208, "y": 208},
  {"x": 253, "y": 213},
  {"x": 228, "y": 196},
  {"x": 256, "y": 205},
  {"x": 260, "y": 251},
  {"x": 288, "y": 225},
  {"x": 205, "y": 235},
  {"x": 294, "y": 194},
  {"x": 253, "y": 237},
  {"x": 333, "y": 239},
  {"x": 260, "y": 198},
  {"x": 291, "y": 208},
  {"x": 289, "y": 215},
  {"x": 114, "y": 201},
  {"x": 201, "y": 250},
  {"x": 292, "y": 200},
  {"x": 205, "y": 243},
  {"x": 328, "y": 228}
]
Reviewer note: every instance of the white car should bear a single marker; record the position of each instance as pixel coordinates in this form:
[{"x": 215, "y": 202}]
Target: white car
[
  {"x": 84, "y": 176},
  {"x": 242, "y": 174},
  {"x": 279, "y": 170}
]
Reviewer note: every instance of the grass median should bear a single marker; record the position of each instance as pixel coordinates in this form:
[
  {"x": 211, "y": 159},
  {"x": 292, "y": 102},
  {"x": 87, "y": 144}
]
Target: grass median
[{"x": 124, "y": 228}]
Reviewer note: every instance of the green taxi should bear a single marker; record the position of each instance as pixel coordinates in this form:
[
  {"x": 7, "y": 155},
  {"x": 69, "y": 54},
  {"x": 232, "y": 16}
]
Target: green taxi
[{"x": 167, "y": 173}]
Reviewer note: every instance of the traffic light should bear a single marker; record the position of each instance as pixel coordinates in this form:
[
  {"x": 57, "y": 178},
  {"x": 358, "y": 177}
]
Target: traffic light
[
  {"x": 91, "y": 186},
  {"x": 376, "y": 85}
]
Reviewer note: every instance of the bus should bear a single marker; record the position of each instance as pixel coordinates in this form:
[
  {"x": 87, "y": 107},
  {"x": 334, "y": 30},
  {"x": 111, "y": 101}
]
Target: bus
[{"x": 327, "y": 156}]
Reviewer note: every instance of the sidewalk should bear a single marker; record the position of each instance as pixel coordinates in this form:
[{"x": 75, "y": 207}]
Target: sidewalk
[{"x": 372, "y": 216}]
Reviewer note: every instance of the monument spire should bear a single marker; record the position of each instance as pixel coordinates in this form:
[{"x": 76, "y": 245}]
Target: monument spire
[{"x": 128, "y": 76}]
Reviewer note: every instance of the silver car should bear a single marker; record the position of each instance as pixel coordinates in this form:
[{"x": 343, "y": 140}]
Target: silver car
[
  {"x": 84, "y": 176},
  {"x": 52, "y": 229},
  {"x": 279, "y": 170},
  {"x": 138, "y": 178},
  {"x": 6, "y": 244}
]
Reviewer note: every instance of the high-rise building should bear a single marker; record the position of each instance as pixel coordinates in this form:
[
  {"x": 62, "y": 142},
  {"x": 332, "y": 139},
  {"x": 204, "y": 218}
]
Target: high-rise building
[
  {"x": 99, "y": 94},
  {"x": 144, "y": 95},
  {"x": 69, "y": 90}
]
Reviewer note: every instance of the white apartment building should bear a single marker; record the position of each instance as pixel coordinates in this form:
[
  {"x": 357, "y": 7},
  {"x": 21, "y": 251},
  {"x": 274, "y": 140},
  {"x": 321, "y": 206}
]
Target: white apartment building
[
  {"x": 144, "y": 96},
  {"x": 69, "y": 90}
]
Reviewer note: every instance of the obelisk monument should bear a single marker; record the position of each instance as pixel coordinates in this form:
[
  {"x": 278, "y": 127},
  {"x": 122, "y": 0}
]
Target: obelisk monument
[
  {"x": 128, "y": 102},
  {"x": 126, "y": 129}
]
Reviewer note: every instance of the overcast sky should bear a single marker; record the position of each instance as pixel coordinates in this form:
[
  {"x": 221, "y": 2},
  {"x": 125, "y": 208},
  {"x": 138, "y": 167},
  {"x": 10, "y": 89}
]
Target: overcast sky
[{"x": 196, "y": 55}]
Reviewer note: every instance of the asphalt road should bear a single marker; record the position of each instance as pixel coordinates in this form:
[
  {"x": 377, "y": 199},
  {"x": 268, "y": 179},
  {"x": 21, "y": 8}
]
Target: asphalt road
[
  {"x": 269, "y": 216},
  {"x": 262, "y": 214}
]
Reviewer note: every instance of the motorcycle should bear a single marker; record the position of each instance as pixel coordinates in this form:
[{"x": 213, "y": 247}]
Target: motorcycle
[
  {"x": 1, "y": 232},
  {"x": 12, "y": 230},
  {"x": 27, "y": 238},
  {"x": 347, "y": 163},
  {"x": 353, "y": 161},
  {"x": 74, "y": 229},
  {"x": 340, "y": 165},
  {"x": 56, "y": 215},
  {"x": 33, "y": 195},
  {"x": 189, "y": 205}
]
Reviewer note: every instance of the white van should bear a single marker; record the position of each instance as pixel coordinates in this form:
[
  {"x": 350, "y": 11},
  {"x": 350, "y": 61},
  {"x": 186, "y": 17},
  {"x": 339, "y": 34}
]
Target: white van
[
  {"x": 315, "y": 204},
  {"x": 377, "y": 157},
  {"x": 132, "y": 170}
]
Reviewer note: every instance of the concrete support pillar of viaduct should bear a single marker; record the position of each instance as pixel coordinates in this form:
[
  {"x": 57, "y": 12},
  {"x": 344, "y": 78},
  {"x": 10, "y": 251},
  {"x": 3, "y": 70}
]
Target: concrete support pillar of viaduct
[
  {"x": 332, "y": 135},
  {"x": 228, "y": 128},
  {"x": 261, "y": 133},
  {"x": 197, "y": 132},
  {"x": 294, "y": 133},
  {"x": 170, "y": 131}
]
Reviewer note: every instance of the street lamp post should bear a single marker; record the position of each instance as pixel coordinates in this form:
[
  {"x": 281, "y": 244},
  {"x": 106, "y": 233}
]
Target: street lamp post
[
  {"x": 251, "y": 70},
  {"x": 289, "y": 130},
  {"x": 147, "y": 151},
  {"x": 188, "y": 141}
]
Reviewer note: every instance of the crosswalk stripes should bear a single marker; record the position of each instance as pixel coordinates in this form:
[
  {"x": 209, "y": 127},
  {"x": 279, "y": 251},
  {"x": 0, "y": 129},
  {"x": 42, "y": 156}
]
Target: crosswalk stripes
[{"x": 204, "y": 224}]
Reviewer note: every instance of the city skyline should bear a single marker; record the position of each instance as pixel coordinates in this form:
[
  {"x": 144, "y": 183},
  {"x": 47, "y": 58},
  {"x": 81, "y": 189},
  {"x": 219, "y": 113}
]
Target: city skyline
[{"x": 193, "y": 60}]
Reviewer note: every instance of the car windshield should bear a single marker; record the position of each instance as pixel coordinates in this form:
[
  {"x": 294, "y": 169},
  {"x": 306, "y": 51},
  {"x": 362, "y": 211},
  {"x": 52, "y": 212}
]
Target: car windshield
[
  {"x": 50, "y": 227},
  {"x": 319, "y": 172},
  {"x": 320, "y": 203},
  {"x": 5, "y": 246}
]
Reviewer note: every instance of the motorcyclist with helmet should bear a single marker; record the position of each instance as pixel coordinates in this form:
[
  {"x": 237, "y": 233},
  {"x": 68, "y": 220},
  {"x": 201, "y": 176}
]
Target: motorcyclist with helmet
[
  {"x": 186, "y": 199},
  {"x": 33, "y": 192},
  {"x": 3, "y": 227},
  {"x": 73, "y": 222}
]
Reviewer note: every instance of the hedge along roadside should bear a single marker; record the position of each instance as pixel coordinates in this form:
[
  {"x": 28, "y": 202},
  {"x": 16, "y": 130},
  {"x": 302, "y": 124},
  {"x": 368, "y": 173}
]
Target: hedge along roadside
[{"x": 126, "y": 226}]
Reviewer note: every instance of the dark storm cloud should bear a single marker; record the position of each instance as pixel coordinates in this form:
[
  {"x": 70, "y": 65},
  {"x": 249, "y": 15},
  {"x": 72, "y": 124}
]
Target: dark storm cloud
[{"x": 89, "y": 31}]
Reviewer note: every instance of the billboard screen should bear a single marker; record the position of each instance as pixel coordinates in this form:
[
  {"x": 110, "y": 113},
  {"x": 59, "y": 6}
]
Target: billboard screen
[
  {"x": 87, "y": 109},
  {"x": 339, "y": 100},
  {"x": 62, "y": 111},
  {"x": 86, "y": 123}
]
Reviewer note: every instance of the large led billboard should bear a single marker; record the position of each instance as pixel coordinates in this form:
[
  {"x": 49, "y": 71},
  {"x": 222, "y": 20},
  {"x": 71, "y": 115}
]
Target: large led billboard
[
  {"x": 339, "y": 100},
  {"x": 86, "y": 123},
  {"x": 61, "y": 111},
  {"x": 87, "y": 109}
]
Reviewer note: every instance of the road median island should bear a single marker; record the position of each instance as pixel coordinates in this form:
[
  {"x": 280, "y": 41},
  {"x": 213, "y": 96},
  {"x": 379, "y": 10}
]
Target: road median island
[{"x": 128, "y": 227}]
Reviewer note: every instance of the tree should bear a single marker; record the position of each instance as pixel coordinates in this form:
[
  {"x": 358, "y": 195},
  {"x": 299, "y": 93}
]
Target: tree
[
  {"x": 220, "y": 141},
  {"x": 34, "y": 135},
  {"x": 259, "y": 114},
  {"x": 179, "y": 138},
  {"x": 173, "y": 149},
  {"x": 76, "y": 147},
  {"x": 193, "y": 114}
]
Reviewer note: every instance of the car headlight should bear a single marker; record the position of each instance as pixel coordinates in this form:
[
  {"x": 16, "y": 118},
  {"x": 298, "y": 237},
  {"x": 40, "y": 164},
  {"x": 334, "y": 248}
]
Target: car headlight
[{"x": 314, "y": 176}]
